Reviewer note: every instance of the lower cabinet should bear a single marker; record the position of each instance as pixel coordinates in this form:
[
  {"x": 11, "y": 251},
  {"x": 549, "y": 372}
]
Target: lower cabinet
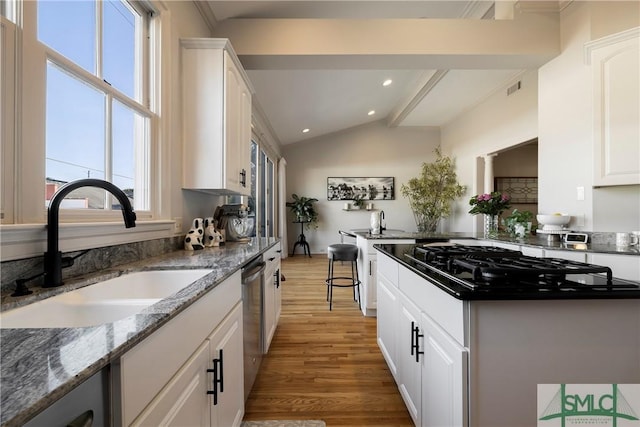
[
  {"x": 190, "y": 371},
  {"x": 207, "y": 390},
  {"x": 272, "y": 301},
  {"x": 429, "y": 365},
  {"x": 387, "y": 320}
]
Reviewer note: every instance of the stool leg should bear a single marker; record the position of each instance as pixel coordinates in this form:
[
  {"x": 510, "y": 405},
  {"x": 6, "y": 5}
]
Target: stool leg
[
  {"x": 358, "y": 286},
  {"x": 353, "y": 280},
  {"x": 330, "y": 284}
]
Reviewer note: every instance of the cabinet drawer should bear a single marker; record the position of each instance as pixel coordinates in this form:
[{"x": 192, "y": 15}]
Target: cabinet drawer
[
  {"x": 445, "y": 310},
  {"x": 146, "y": 368},
  {"x": 388, "y": 268}
]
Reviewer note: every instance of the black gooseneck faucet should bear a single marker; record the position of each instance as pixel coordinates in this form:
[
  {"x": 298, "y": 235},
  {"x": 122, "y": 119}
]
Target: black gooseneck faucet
[{"x": 53, "y": 261}]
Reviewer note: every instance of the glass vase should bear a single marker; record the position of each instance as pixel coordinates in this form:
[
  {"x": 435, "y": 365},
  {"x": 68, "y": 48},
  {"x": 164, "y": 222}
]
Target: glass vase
[{"x": 491, "y": 225}]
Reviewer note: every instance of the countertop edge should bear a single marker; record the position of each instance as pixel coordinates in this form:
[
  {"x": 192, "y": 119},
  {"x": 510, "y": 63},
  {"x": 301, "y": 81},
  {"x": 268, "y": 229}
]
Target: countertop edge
[{"x": 172, "y": 307}]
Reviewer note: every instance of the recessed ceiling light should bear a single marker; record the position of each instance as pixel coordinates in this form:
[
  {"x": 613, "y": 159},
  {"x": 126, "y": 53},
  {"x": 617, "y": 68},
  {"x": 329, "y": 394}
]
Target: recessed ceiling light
[
  {"x": 387, "y": 82},
  {"x": 371, "y": 113},
  {"x": 305, "y": 130}
]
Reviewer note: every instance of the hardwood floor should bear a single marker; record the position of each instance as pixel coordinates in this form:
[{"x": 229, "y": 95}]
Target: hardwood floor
[{"x": 324, "y": 364}]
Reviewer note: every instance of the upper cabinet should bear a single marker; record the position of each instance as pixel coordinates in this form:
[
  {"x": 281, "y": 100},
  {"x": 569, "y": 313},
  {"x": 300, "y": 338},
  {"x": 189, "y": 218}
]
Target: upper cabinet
[
  {"x": 216, "y": 118},
  {"x": 615, "y": 61}
]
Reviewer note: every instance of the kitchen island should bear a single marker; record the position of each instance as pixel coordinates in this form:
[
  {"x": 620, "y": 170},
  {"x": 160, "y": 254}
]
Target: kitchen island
[
  {"x": 474, "y": 357},
  {"x": 625, "y": 261},
  {"x": 40, "y": 366}
]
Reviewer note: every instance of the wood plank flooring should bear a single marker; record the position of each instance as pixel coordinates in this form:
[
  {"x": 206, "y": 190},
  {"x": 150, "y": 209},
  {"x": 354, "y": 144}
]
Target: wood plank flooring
[{"x": 324, "y": 364}]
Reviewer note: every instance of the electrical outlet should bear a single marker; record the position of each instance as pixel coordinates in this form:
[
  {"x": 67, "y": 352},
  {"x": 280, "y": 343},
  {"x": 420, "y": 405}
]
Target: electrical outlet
[
  {"x": 580, "y": 193},
  {"x": 177, "y": 225}
]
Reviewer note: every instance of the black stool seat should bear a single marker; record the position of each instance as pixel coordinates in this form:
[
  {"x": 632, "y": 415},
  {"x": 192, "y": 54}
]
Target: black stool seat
[{"x": 343, "y": 252}]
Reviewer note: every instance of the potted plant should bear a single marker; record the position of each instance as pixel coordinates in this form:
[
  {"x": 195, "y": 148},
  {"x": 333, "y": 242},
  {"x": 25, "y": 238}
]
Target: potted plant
[
  {"x": 432, "y": 193},
  {"x": 518, "y": 224},
  {"x": 358, "y": 201},
  {"x": 303, "y": 209},
  {"x": 491, "y": 205}
]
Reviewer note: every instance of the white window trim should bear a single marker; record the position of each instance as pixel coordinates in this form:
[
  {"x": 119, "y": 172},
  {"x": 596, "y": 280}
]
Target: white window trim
[
  {"x": 26, "y": 236},
  {"x": 7, "y": 118}
]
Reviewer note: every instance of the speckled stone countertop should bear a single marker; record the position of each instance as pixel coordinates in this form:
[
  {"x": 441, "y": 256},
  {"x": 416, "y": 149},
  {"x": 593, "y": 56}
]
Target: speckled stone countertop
[
  {"x": 39, "y": 366},
  {"x": 600, "y": 243}
]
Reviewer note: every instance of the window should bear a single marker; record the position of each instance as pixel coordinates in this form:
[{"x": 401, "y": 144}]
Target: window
[
  {"x": 97, "y": 115},
  {"x": 262, "y": 191}
]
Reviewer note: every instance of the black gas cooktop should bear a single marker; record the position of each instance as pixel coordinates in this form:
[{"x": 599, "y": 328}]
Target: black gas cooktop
[{"x": 487, "y": 269}]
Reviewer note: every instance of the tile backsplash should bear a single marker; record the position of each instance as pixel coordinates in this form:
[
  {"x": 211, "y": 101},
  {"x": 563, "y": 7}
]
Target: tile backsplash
[{"x": 94, "y": 260}]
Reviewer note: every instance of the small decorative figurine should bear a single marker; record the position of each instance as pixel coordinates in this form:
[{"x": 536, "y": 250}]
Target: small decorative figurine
[
  {"x": 211, "y": 235},
  {"x": 193, "y": 241}
]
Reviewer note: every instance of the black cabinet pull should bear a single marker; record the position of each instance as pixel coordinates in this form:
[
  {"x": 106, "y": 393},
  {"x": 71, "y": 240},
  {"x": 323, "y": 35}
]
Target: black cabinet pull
[
  {"x": 415, "y": 344},
  {"x": 276, "y": 276},
  {"x": 218, "y": 378},
  {"x": 243, "y": 178},
  {"x": 83, "y": 420},
  {"x": 272, "y": 258}
]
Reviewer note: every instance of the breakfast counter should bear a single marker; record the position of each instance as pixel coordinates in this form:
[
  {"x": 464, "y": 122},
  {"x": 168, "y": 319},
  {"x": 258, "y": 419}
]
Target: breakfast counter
[{"x": 39, "y": 366}]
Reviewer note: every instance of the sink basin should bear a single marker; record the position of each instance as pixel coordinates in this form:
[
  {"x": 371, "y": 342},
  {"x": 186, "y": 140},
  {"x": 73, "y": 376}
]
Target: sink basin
[{"x": 103, "y": 302}]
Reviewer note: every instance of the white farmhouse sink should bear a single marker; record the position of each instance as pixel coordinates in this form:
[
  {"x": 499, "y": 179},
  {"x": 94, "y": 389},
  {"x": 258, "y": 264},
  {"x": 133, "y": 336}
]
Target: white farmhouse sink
[{"x": 103, "y": 302}]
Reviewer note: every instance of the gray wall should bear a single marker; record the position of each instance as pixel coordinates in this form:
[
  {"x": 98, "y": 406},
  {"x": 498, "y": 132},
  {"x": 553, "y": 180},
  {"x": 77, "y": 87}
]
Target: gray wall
[{"x": 371, "y": 150}]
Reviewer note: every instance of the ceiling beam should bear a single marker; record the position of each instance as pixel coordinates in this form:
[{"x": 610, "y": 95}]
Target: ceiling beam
[{"x": 528, "y": 41}]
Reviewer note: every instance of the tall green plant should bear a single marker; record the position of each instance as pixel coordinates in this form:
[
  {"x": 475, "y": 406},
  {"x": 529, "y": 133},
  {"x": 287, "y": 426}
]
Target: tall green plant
[
  {"x": 432, "y": 193},
  {"x": 303, "y": 209}
]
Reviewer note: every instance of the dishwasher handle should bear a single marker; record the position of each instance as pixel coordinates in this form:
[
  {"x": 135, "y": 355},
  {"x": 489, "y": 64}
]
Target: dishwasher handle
[{"x": 253, "y": 273}]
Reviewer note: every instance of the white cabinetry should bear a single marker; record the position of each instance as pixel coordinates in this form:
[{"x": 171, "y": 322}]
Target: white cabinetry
[
  {"x": 615, "y": 61},
  {"x": 622, "y": 266},
  {"x": 188, "y": 379},
  {"x": 367, "y": 268},
  {"x": 388, "y": 311},
  {"x": 272, "y": 295},
  {"x": 216, "y": 118},
  {"x": 428, "y": 354}
]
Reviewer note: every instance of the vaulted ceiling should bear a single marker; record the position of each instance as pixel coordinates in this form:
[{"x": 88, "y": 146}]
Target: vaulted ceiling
[{"x": 320, "y": 65}]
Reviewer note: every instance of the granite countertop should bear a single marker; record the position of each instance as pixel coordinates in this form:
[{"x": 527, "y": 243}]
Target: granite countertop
[
  {"x": 39, "y": 366},
  {"x": 601, "y": 245}
]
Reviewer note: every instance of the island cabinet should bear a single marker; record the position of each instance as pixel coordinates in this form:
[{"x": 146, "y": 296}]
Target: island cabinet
[
  {"x": 367, "y": 270},
  {"x": 190, "y": 371},
  {"x": 216, "y": 118},
  {"x": 272, "y": 301},
  {"x": 477, "y": 362}
]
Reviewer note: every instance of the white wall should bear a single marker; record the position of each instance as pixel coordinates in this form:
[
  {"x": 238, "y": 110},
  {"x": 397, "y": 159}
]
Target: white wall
[
  {"x": 566, "y": 124},
  {"x": 371, "y": 150},
  {"x": 499, "y": 122},
  {"x": 555, "y": 104}
]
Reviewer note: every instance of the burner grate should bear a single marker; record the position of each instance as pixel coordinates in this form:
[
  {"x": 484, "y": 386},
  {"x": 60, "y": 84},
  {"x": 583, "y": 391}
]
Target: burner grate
[{"x": 548, "y": 270}]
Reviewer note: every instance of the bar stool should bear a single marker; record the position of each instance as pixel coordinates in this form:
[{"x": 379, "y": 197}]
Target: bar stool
[{"x": 343, "y": 252}]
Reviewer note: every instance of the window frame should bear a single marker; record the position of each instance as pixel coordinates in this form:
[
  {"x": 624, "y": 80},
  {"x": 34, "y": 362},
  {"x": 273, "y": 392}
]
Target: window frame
[
  {"x": 96, "y": 80},
  {"x": 22, "y": 234}
]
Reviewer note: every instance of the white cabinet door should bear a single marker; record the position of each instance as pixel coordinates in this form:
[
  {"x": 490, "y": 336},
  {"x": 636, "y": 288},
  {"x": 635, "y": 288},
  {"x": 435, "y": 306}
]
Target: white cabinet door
[
  {"x": 227, "y": 382},
  {"x": 615, "y": 62},
  {"x": 409, "y": 346},
  {"x": 216, "y": 118},
  {"x": 622, "y": 266},
  {"x": 272, "y": 301},
  {"x": 444, "y": 379},
  {"x": 387, "y": 322},
  {"x": 237, "y": 109},
  {"x": 184, "y": 400}
]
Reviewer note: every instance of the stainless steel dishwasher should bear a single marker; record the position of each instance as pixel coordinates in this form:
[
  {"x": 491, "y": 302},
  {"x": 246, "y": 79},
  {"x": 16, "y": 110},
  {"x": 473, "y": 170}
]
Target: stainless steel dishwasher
[{"x": 252, "y": 320}]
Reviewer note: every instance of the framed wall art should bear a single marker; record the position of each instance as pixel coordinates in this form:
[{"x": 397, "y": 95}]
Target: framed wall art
[{"x": 348, "y": 188}]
